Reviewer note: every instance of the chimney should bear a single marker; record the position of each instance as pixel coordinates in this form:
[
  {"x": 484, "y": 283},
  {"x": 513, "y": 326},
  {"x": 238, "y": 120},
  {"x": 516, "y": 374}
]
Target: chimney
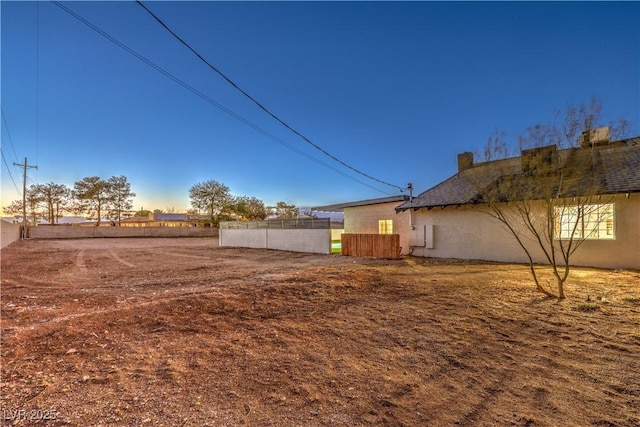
[
  {"x": 539, "y": 160},
  {"x": 465, "y": 161},
  {"x": 594, "y": 137}
]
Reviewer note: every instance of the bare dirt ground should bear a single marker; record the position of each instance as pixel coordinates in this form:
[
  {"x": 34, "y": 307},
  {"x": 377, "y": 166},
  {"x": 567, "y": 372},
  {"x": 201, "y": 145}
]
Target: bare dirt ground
[{"x": 179, "y": 332}]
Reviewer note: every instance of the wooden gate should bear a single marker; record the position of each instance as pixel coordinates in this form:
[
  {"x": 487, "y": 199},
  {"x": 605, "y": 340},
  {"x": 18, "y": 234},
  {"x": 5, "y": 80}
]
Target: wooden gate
[{"x": 371, "y": 245}]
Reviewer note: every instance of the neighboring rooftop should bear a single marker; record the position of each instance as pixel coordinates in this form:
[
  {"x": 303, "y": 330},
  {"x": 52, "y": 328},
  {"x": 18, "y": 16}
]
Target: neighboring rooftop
[
  {"x": 339, "y": 207},
  {"x": 606, "y": 169}
]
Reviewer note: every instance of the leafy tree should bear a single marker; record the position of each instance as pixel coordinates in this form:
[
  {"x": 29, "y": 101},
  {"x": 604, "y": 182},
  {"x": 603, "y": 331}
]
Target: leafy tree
[
  {"x": 285, "y": 211},
  {"x": 211, "y": 198},
  {"x": 33, "y": 202},
  {"x": 93, "y": 195},
  {"x": 534, "y": 206},
  {"x": 119, "y": 197},
  {"x": 249, "y": 208},
  {"x": 55, "y": 197},
  {"x": 14, "y": 209},
  {"x": 142, "y": 212}
]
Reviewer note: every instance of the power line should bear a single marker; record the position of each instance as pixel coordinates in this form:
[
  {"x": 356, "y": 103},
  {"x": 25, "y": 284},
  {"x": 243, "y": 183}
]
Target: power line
[
  {"x": 260, "y": 105},
  {"x": 9, "y": 170},
  {"x": 6, "y": 126},
  {"x": 207, "y": 98}
]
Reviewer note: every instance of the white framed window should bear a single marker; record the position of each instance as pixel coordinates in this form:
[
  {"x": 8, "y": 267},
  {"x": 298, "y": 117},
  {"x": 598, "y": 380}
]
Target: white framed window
[
  {"x": 385, "y": 226},
  {"x": 595, "y": 222}
]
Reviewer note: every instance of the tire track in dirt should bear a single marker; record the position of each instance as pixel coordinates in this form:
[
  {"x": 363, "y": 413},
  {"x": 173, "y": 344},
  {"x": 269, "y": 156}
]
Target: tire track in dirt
[
  {"x": 175, "y": 295},
  {"x": 115, "y": 256},
  {"x": 174, "y": 254},
  {"x": 96, "y": 312},
  {"x": 79, "y": 262}
]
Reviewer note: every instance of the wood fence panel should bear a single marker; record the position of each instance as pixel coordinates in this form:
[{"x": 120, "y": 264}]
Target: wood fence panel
[{"x": 371, "y": 245}]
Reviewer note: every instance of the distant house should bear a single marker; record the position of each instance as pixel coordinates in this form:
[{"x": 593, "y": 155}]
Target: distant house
[
  {"x": 449, "y": 220},
  {"x": 159, "y": 220},
  {"x": 93, "y": 222},
  {"x": 373, "y": 216},
  {"x": 166, "y": 220},
  {"x": 71, "y": 220}
]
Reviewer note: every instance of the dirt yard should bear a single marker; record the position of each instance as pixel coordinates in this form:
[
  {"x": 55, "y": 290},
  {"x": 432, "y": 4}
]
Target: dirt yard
[{"x": 179, "y": 332}]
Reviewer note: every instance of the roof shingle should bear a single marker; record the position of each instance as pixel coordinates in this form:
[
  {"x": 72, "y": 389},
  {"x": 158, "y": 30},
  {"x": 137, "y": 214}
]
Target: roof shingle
[{"x": 614, "y": 168}]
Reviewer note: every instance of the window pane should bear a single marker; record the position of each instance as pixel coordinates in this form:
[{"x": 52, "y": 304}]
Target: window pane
[
  {"x": 585, "y": 221},
  {"x": 385, "y": 226}
]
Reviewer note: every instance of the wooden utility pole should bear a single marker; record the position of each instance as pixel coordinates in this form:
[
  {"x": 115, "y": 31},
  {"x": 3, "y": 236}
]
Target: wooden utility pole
[{"x": 25, "y": 166}]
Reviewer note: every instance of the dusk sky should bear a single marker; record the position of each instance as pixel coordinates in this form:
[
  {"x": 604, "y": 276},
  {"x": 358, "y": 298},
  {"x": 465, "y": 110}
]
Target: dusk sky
[{"x": 394, "y": 89}]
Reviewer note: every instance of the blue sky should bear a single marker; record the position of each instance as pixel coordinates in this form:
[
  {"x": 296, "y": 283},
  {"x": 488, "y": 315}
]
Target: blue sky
[{"x": 394, "y": 89}]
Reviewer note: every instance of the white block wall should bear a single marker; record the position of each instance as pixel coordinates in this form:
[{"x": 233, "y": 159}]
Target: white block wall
[{"x": 295, "y": 240}]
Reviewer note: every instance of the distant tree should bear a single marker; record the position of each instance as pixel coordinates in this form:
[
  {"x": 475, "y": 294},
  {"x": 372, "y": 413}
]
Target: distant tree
[
  {"x": 249, "y": 208},
  {"x": 531, "y": 205},
  {"x": 33, "y": 205},
  {"x": 158, "y": 211},
  {"x": 142, "y": 212},
  {"x": 92, "y": 194},
  {"x": 285, "y": 211},
  {"x": 309, "y": 214},
  {"x": 119, "y": 197},
  {"x": 55, "y": 198},
  {"x": 42, "y": 200},
  {"x": 212, "y": 199},
  {"x": 14, "y": 209}
]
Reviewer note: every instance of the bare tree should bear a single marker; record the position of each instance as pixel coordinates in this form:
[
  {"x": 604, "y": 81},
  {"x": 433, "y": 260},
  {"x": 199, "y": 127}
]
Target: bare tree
[{"x": 548, "y": 200}]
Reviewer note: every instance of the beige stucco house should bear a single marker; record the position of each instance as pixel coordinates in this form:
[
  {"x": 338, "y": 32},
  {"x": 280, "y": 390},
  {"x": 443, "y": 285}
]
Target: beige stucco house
[
  {"x": 450, "y": 220},
  {"x": 154, "y": 219},
  {"x": 374, "y": 216}
]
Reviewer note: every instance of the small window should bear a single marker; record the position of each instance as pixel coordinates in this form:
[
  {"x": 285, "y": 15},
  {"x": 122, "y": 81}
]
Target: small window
[{"x": 385, "y": 226}]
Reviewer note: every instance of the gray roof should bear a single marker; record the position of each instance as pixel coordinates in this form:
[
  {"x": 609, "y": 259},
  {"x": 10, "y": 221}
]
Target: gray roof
[
  {"x": 339, "y": 207},
  {"x": 610, "y": 169},
  {"x": 170, "y": 217}
]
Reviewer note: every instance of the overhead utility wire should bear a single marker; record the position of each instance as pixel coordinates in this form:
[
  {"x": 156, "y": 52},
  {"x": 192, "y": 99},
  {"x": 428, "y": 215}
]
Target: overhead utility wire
[
  {"x": 4, "y": 160},
  {"x": 207, "y": 98},
  {"x": 6, "y": 126},
  {"x": 13, "y": 148},
  {"x": 262, "y": 107}
]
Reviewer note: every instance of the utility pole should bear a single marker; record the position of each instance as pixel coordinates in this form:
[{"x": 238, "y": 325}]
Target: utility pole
[{"x": 25, "y": 166}]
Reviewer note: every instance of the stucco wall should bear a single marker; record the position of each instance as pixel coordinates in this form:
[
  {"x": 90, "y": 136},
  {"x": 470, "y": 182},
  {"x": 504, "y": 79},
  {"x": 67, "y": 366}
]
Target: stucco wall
[
  {"x": 77, "y": 232},
  {"x": 468, "y": 233},
  {"x": 296, "y": 240},
  {"x": 244, "y": 238},
  {"x": 9, "y": 233},
  {"x": 364, "y": 220}
]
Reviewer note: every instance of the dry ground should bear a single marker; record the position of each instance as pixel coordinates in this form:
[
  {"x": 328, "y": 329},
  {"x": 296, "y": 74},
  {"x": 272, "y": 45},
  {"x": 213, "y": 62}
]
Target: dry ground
[{"x": 179, "y": 332}]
